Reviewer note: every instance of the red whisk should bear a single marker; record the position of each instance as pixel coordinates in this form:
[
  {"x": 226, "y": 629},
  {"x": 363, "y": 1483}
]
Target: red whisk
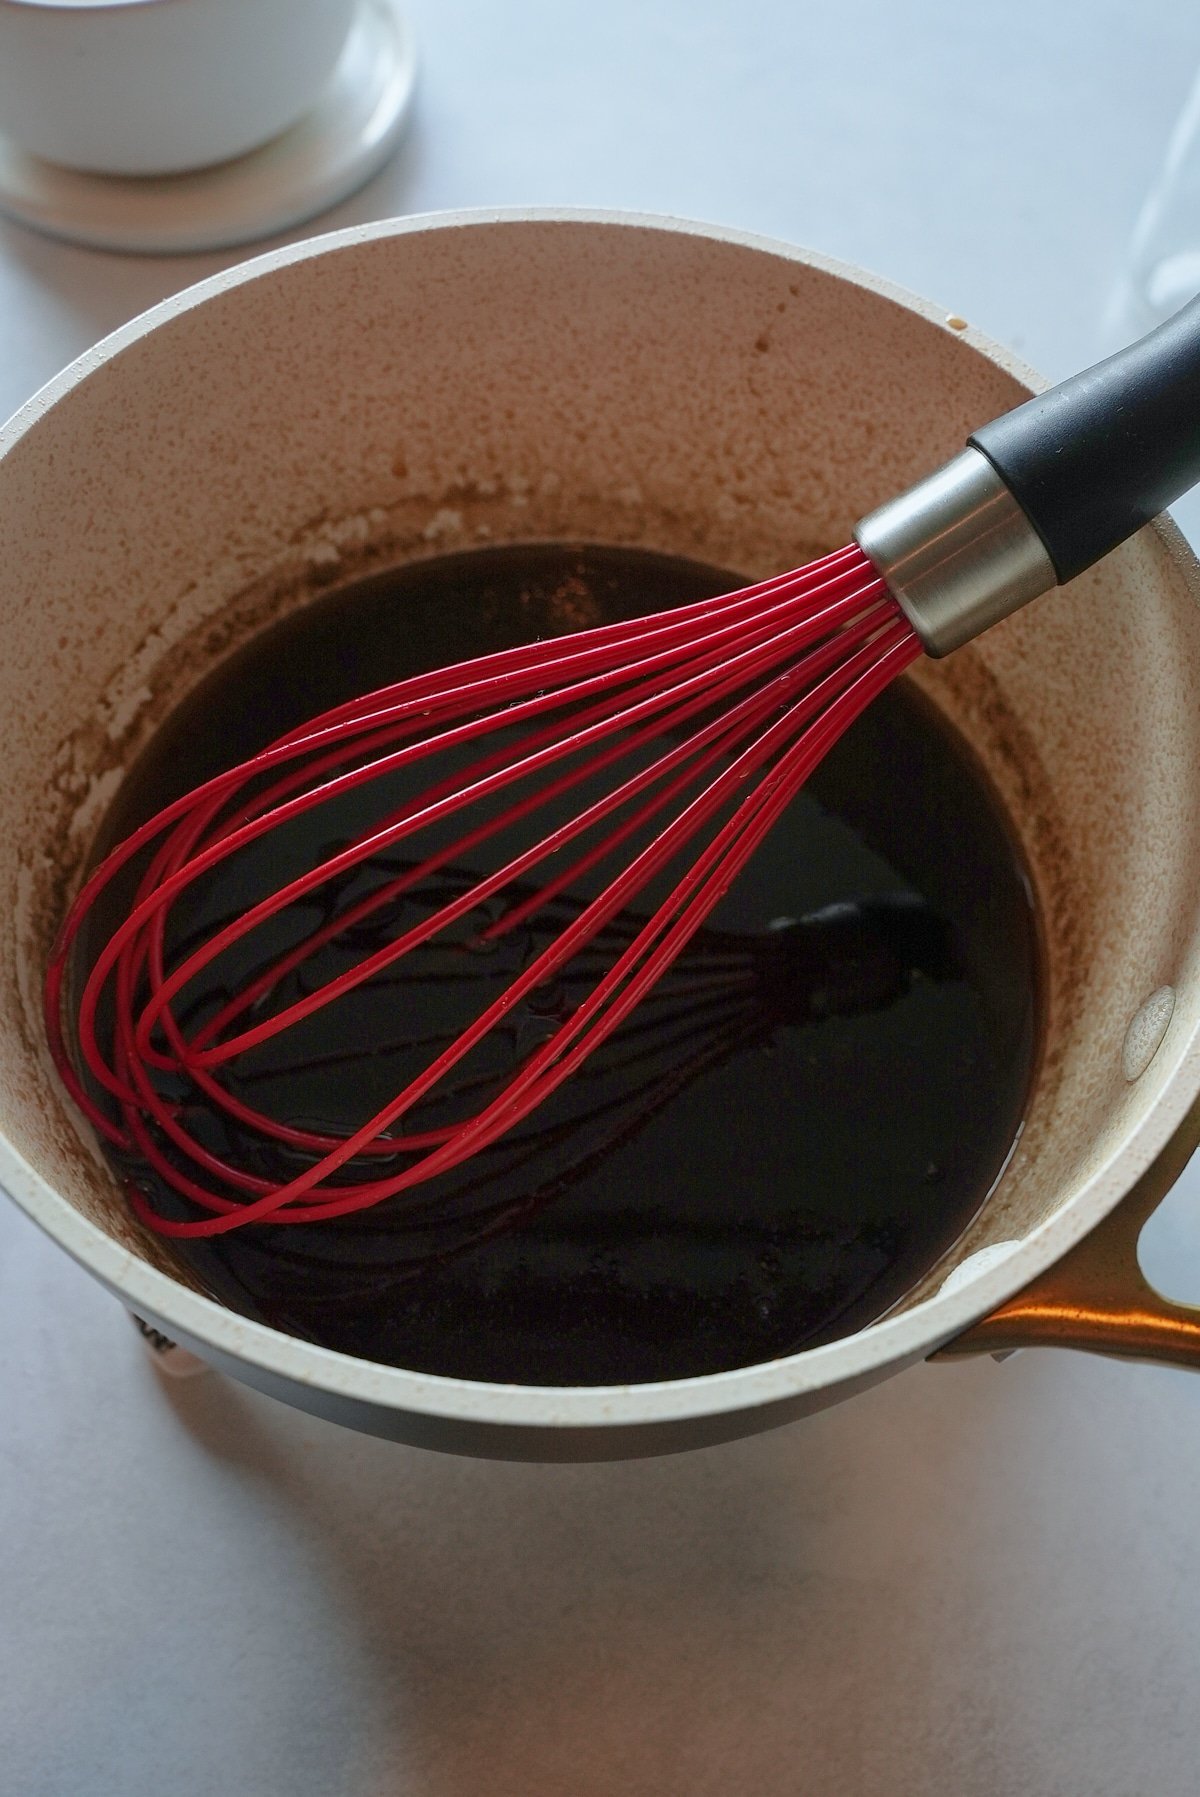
[
  {"x": 714, "y": 713},
  {"x": 704, "y": 721}
]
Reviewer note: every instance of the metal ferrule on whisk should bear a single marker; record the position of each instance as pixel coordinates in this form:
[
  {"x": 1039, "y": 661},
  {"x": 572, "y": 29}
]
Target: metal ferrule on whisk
[{"x": 957, "y": 552}]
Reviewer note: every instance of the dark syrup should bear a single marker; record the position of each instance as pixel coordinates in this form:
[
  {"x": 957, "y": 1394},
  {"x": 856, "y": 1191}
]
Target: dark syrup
[{"x": 774, "y": 1149}]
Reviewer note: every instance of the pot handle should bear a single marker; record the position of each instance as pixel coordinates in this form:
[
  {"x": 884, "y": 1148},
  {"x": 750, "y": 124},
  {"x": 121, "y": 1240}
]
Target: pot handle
[{"x": 1095, "y": 1297}]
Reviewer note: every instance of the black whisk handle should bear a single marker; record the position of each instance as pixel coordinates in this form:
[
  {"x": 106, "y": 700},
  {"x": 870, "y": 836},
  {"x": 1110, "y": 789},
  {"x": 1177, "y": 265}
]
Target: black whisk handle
[{"x": 1101, "y": 454}]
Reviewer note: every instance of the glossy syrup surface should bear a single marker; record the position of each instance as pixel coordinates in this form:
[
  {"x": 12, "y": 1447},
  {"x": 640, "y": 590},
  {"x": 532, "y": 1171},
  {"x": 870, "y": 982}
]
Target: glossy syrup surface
[{"x": 775, "y": 1148}]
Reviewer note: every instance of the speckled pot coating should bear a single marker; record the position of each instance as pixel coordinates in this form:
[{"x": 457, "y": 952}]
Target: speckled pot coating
[{"x": 421, "y": 385}]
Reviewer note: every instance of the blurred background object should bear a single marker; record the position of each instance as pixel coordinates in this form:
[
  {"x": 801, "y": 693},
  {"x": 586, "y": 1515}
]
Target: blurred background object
[
  {"x": 1162, "y": 267},
  {"x": 1163, "y": 270},
  {"x": 162, "y": 126}
]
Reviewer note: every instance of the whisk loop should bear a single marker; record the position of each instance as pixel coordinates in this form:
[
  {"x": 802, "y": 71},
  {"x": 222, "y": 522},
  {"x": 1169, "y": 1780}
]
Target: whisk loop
[{"x": 706, "y": 719}]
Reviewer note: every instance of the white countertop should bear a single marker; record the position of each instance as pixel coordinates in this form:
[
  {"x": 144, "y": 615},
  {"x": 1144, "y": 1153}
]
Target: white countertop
[{"x": 977, "y": 1579}]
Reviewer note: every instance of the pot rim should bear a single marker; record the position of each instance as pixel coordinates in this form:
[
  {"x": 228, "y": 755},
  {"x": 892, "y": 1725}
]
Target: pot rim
[{"x": 895, "y": 1340}]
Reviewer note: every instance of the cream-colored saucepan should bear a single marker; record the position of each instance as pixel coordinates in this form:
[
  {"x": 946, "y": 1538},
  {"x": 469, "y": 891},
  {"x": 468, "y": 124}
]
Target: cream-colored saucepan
[{"x": 423, "y": 385}]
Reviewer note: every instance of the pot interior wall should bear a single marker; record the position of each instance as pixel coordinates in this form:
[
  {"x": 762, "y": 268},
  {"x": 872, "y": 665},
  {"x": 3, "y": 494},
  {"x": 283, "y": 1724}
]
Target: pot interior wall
[{"x": 431, "y": 388}]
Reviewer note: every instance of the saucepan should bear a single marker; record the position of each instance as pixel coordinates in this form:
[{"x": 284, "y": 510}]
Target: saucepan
[{"x": 423, "y": 385}]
